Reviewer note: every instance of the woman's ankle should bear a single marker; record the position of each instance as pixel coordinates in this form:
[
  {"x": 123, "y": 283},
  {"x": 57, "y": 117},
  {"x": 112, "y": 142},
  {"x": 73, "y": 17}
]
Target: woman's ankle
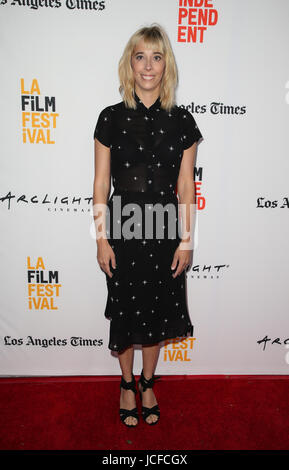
[{"x": 128, "y": 377}]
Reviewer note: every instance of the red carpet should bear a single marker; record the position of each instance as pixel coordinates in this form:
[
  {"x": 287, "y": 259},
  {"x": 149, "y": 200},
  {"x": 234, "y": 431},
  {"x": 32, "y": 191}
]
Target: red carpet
[{"x": 197, "y": 412}]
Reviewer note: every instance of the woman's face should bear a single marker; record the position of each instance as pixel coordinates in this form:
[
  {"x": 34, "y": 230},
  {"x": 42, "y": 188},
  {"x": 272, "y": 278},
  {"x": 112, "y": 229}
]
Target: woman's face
[{"x": 148, "y": 66}]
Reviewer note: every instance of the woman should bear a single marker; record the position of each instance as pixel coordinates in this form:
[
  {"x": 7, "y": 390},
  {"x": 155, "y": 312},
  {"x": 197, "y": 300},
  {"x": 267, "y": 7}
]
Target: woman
[{"x": 148, "y": 145}]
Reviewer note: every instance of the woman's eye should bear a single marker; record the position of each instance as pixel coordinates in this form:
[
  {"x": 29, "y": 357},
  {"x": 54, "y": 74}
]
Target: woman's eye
[
  {"x": 138, "y": 57},
  {"x": 158, "y": 57}
]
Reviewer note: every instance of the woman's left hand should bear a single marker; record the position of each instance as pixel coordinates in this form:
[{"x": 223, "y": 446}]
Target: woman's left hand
[{"x": 183, "y": 259}]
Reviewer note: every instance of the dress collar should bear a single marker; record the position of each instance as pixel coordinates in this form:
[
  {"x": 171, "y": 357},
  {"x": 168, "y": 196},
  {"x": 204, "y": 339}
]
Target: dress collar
[{"x": 140, "y": 105}]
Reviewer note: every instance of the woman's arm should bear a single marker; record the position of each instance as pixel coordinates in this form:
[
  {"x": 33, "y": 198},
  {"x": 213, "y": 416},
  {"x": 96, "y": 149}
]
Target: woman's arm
[
  {"x": 187, "y": 196},
  {"x": 187, "y": 204},
  {"x": 101, "y": 185},
  {"x": 101, "y": 191}
]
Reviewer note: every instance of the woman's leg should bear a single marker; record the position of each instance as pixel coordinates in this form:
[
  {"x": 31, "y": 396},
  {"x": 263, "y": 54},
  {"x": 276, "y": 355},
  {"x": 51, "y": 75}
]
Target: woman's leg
[
  {"x": 150, "y": 354},
  {"x": 127, "y": 397}
]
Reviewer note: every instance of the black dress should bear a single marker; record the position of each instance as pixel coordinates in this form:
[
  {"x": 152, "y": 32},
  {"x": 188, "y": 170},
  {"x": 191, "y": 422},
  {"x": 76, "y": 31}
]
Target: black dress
[{"x": 145, "y": 304}]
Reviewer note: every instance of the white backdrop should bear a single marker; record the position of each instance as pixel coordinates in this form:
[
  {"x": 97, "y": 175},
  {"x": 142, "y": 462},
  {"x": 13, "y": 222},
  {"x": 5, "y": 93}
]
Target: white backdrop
[{"x": 234, "y": 80}]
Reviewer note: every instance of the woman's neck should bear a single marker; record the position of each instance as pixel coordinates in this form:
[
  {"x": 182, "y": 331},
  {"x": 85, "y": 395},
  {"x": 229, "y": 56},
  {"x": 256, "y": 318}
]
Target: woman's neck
[{"x": 147, "y": 97}]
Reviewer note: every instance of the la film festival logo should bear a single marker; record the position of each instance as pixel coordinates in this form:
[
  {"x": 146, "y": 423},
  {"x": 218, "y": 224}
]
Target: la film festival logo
[
  {"x": 39, "y": 115},
  {"x": 194, "y": 18},
  {"x": 179, "y": 350},
  {"x": 43, "y": 286}
]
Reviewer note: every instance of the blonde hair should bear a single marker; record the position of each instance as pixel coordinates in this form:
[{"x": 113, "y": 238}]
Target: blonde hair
[{"x": 153, "y": 36}]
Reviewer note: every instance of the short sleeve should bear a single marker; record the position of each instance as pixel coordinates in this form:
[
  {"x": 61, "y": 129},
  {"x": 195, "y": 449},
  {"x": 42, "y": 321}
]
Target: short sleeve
[
  {"x": 190, "y": 131},
  {"x": 103, "y": 126}
]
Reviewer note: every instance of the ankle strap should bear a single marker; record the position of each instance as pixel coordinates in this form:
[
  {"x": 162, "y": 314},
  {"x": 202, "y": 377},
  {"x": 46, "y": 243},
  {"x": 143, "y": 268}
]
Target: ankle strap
[
  {"x": 148, "y": 383},
  {"x": 128, "y": 385}
]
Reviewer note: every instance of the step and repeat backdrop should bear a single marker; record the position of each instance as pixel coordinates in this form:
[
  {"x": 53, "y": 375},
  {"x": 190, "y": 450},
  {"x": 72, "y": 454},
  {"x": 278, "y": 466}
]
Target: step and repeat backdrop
[{"x": 59, "y": 70}]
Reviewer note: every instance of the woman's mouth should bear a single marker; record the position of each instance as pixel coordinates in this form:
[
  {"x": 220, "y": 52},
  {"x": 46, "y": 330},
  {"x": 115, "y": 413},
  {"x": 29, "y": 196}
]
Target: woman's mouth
[{"x": 147, "y": 77}]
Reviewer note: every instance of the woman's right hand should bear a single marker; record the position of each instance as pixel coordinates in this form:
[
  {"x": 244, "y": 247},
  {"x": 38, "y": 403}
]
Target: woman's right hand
[{"x": 105, "y": 254}]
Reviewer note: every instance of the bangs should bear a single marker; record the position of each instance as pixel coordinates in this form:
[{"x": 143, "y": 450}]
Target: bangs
[{"x": 152, "y": 40}]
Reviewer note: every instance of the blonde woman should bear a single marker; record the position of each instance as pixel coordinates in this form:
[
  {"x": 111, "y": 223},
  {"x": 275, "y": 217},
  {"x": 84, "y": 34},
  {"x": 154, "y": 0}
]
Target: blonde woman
[{"x": 147, "y": 144}]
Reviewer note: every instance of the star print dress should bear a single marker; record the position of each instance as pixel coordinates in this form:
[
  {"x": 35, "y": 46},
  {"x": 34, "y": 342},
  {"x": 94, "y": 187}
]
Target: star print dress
[{"x": 145, "y": 304}]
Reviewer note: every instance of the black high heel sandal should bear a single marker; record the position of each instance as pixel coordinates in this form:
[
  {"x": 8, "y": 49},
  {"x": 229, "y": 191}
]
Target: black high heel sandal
[
  {"x": 123, "y": 412},
  {"x": 154, "y": 409}
]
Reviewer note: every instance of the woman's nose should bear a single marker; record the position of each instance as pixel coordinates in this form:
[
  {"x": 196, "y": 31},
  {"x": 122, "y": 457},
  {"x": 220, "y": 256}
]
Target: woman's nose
[{"x": 148, "y": 65}]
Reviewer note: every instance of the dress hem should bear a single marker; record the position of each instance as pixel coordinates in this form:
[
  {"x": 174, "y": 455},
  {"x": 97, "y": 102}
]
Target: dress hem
[{"x": 189, "y": 330}]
